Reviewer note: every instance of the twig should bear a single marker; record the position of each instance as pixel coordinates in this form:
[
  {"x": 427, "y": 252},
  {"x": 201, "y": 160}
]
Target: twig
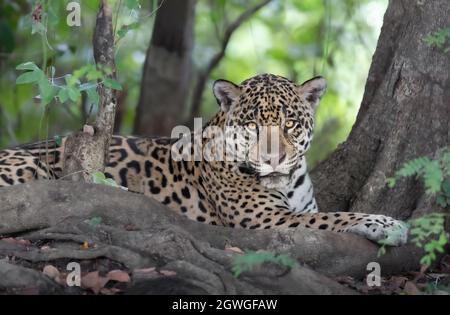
[{"x": 84, "y": 151}]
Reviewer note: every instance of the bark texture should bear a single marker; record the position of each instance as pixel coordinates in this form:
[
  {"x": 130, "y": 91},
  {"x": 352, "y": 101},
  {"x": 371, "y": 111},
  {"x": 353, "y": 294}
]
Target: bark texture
[
  {"x": 405, "y": 113},
  {"x": 87, "y": 151},
  {"x": 167, "y": 70}
]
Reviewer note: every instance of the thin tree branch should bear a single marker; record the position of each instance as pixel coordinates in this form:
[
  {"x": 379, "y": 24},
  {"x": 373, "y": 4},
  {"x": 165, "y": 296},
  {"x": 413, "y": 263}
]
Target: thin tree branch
[
  {"x": 104, "y": 56},
  {"x": 88, "y": 151}
]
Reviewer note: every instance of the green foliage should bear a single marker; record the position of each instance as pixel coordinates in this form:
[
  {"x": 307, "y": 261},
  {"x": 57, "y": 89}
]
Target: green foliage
[
  {"x": 58, "y": 140},
  {"x": 426, "y": 227},
  {"x": 439, "y": 39},
  {"x": 428, "y": 232},
  {"x": 72, "y": 88},
  {"x": 37, "y": 76},
  {"x": 126, "y": 28},
  {"x": 100, "y": 178},
  {"x": 246, "y": 262},
  {"x": 435, "y": 174}
]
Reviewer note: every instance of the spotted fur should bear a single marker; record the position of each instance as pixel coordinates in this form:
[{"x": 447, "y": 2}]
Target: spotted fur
[{"x": 254, "y": 192}]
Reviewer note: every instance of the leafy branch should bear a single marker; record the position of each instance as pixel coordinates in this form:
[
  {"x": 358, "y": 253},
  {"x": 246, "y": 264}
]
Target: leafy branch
[
  {"x": 439, "y": 39},
  {"x": 435, "y": 174},
  {"x": 73, "y": 86},
  {"x": 426, "y": 227},
  {"x": 428, "y": 232}
]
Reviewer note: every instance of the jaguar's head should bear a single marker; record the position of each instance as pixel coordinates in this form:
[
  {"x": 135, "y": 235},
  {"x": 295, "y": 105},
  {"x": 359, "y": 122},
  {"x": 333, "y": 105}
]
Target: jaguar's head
[{"x": 268, "y": 123}]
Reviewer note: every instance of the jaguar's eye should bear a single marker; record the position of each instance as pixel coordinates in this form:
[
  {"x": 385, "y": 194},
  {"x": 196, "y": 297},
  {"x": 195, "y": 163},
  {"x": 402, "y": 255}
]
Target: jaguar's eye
[
  {"x": 289, "y": 124},
  {"x": 251, "y": 125}
]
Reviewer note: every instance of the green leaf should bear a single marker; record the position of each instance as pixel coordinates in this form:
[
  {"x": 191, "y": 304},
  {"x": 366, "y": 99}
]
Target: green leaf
[
  {"x": 443, "y": 239},
  {"x": 93, "y": 97},
  {"x": 426, "y": 260},
  {"x": 126, "y": 28},
  {"x": 27, "y": 66},
  {"x": 98, "y": 177},
  {"x": 46, "y": 90},
  {"x": 74, "y": 93},
  {"x": 381, "y": 251},
  {"x": 81, "y": 71},
  {"x": 112, "y": 84},
  {"x": 28, "y": 77},
  {"x": 71, "y": 80},
  {"x": 58, "y": 140},
  {"x": 391, "y": 182},
  {"x": 63, "y": 95},
  {"x": 433, "y": 177},
  {"x": 94, "y": 74},
  {"x": 413, "y": 167}
]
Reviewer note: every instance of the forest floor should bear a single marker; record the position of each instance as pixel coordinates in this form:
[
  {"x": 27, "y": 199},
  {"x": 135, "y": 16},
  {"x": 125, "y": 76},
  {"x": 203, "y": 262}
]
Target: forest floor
[
  {"x": 431, "y": 281},
  {"x": 108, "y": 277}
]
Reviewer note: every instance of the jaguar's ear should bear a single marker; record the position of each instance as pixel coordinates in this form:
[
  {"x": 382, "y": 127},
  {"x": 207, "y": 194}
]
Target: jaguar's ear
[
  {"x": 312, "y": 90},
  {"x": 225, "y": 92}
]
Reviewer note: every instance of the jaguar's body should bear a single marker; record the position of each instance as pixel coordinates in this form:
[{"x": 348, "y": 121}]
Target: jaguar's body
[{"x": 265, "y": 124}]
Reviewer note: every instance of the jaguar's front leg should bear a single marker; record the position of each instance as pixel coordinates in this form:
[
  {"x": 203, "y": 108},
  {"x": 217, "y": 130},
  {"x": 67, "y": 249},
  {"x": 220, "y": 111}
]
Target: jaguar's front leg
[{"x": 374, "y": 227}]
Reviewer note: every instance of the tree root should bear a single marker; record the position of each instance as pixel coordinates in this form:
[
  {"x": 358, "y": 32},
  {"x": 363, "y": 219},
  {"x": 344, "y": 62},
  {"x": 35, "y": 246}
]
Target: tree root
[{"x": 83, "y": 222}]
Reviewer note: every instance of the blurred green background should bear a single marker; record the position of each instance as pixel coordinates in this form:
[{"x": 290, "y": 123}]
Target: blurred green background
[{"x": 294, "y": 38}]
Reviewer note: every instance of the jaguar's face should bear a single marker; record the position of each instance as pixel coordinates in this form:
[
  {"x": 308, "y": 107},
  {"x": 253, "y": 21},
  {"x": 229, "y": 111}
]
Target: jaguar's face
[{"x": 270, "y": 121}]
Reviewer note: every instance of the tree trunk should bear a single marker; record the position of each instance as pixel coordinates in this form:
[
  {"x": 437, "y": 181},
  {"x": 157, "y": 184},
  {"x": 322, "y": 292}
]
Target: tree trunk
[
  {"x": 88, "y": 151},
  {"x": 166, "y": 77},
  {"x": 405, "y": 113}
]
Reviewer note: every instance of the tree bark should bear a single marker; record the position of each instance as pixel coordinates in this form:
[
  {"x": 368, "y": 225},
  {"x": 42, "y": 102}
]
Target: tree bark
[
  {"x": 405, "y": 113},
  {"x": 88, "y": 151},
  {"x": 167, "y": 70}
]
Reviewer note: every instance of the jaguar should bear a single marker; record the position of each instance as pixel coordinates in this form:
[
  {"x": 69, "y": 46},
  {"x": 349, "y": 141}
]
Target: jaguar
[{"x": 248, "y": 170}]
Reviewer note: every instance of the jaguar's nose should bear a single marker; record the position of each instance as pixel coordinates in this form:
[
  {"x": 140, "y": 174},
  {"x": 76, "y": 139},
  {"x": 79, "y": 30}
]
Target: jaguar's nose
[{"x": 273, "y": 159}]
